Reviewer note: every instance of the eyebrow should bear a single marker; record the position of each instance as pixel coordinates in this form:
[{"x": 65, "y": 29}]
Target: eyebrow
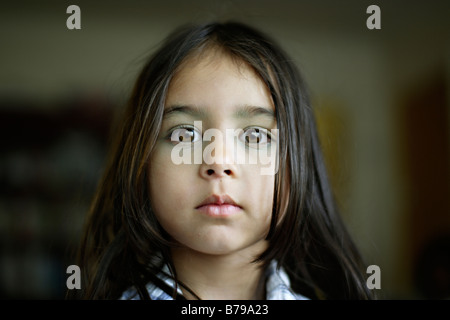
[
  {"x": 245, "y": 111},
  {"x": 189, "y": 110},
  {"x": 251, "y": 111}
]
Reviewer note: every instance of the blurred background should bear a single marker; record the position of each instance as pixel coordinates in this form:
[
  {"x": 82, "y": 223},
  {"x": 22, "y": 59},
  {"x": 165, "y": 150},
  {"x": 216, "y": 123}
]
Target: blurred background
[{"x": 381, "y": 98}]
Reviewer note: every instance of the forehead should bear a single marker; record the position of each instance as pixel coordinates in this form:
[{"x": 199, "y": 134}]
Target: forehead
[{"x": 216, "y": 77}]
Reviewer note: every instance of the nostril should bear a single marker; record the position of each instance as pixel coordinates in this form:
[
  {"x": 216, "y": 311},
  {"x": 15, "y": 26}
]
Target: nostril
[{"x": 210, "y": 172}]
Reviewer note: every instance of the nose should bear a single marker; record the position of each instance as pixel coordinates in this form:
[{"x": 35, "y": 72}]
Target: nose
[
  {"x": 219, "y": 160},
  {"x": 217, "y": 171}
]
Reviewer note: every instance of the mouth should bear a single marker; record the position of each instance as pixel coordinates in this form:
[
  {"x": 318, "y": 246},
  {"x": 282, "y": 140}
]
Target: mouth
[{"x": 219, "y": 206}]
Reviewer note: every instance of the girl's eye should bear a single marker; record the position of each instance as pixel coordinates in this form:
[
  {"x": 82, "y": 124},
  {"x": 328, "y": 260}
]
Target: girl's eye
[
  {"x": 255, "y": 137},
  {"x": 185, "y": 135}
]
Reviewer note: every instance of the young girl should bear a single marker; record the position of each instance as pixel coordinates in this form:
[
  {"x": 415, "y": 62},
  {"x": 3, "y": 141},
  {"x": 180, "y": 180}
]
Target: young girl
[{"x": 216, "y": 227}]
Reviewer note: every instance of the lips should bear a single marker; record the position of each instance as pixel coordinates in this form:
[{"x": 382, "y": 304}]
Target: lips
[
  {"x": 219, "y": 206},
  {"x": 218, "y": 200}
]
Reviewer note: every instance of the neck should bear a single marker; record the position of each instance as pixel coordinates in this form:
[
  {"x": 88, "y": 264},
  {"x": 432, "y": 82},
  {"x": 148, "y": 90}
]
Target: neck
[{"x": 219, "y": 277}]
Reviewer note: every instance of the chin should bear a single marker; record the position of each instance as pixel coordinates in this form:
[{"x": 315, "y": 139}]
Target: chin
[
  {"x": 219, "y": 249},
  {"x": 229, "y": 247}
]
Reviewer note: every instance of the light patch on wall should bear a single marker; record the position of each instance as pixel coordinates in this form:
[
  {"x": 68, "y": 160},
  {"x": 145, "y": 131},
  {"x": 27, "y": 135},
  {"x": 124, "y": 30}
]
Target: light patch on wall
[{"x": 334, "y": 132}]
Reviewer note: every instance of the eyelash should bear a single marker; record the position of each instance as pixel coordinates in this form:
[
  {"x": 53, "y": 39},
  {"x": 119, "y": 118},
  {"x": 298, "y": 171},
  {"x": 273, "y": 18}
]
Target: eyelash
[{"x": 243, "y": 135}]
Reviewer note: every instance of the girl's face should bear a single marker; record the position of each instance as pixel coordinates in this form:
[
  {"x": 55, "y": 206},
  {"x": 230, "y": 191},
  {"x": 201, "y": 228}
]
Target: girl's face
[{"x": 217, "y": 201}]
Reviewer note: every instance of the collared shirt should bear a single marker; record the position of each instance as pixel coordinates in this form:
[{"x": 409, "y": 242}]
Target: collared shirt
[{"x": 277, "y": 286}]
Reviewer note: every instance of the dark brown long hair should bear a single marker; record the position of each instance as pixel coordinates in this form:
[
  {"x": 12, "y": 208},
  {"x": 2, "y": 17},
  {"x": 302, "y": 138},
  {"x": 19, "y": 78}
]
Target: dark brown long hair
[{"x": 122, "y": 235}]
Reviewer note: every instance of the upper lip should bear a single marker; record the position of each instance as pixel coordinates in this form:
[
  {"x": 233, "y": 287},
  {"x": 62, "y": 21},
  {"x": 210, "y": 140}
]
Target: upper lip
[{"x": 218, "y": 200}]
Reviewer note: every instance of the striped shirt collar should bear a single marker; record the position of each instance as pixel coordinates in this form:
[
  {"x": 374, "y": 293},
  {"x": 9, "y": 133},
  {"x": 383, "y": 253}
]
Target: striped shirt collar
[{"x": 277, "y": 286}]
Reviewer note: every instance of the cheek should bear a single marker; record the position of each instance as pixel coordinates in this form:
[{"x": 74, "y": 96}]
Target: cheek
[
  {"x": 260, "y": 189},
  {"x": 167, "y": 184},
  {"x": 267, "y": 192}
]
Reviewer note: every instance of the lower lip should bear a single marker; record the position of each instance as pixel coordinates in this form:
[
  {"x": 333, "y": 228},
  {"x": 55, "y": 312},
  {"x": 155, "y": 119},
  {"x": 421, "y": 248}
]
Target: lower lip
[{"x": 219, "y": 211}]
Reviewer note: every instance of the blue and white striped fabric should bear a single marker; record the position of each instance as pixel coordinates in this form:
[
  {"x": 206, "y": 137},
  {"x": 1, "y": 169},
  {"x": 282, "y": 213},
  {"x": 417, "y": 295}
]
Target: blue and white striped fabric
[{"x": 277, "y": 286}]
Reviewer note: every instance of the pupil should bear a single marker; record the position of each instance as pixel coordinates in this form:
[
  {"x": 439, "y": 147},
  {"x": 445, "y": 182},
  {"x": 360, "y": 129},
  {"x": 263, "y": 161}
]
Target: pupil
[
  {"x": 256, "y": 135},
  {"x": 253, "y": 136},
  {"x": 187, "y": 135}
]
